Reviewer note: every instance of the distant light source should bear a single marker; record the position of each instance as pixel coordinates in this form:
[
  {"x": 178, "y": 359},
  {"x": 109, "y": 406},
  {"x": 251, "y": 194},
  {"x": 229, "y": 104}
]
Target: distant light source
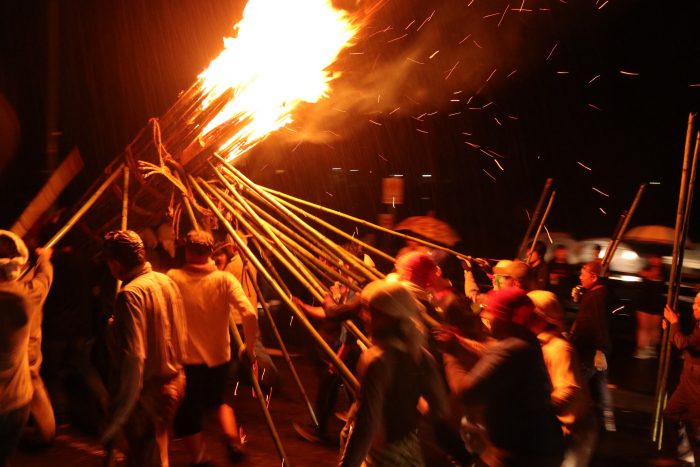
[
  {"x": 427, "y": 175},
  {"x": 654, "y": 183}
]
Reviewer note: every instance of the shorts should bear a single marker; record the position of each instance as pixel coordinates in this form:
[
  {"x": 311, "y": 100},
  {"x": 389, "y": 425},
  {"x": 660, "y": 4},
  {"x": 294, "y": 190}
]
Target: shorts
[{"x": 204, "y": 390}]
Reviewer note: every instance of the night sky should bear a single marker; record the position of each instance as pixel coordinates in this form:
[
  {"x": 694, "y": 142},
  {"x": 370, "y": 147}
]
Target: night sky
[{"x": 544, "y": 87}]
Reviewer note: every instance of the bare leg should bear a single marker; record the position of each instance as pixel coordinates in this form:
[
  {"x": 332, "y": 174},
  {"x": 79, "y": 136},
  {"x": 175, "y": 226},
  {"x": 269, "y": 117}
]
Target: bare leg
[{"x": 227, "y": 420}]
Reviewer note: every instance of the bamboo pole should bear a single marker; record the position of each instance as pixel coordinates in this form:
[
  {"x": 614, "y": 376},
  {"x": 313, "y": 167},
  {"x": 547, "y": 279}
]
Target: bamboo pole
[
  {"x": 84, "y": 208},
  {"x": 539, "y": 227},
  {"x": 682, "y": 218},
  {"x": 251, "y": 212},
  {"x": 535, "y": 215},
  {"x": 261, "y": 399},
  {"x": 299, "y": 222},
  {"x": 283, "y": 349},
  {"x": 313, "y": 287},
  {"x": 349, "y": 378},
  {"x": 615, "y": 242},
  {"x": 308, "y": 280},
  {"x": 376, "y": 227}
]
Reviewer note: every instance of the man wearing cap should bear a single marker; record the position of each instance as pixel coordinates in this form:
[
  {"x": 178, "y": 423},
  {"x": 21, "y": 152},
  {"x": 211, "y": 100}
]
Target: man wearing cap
[
  {"x": 20, "y": 356},
  {"x": 569, "y": 390},
  {"x": 511, "y": 382},
  {"x": 590, "y": 336},
  {"x": 147, "y": 343},
  {"x": 214, "y": 300},
  {"x": 506, "y": 273}
]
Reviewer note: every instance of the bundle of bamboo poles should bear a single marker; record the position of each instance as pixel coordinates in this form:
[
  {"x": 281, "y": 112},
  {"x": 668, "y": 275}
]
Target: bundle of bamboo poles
[{"x": 685, "y": 199}]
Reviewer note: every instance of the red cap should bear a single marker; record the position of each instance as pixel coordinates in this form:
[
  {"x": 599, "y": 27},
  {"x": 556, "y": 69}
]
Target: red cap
[{"x": 510, "y": 304}]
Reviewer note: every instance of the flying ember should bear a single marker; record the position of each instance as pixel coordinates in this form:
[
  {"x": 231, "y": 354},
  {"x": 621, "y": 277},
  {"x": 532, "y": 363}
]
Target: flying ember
[{"x": 279, "y": 58}]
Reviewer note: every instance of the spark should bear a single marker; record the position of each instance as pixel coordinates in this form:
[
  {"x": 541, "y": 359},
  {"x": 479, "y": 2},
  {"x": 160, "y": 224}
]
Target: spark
[
  {"x": 451, "y": 70},
  {"x": 393, "y": 201},
  {"x": 512, "y": 117},
  {"x": 409, "y": 25},
  {"x": 466, "y": 133},
  {"x": 491, "y": 75},
  {"x": 498, "y": 121},
  {"x": 395, "y": 110},
  {"x": 356, "y": 53},
  {"x": 623, "y": 306},
  {"x": 454, "y": 114},
  {"x": 464, "y": 40},
  {"x": 426, "y": 20},
  {"x": 594, "y": 78},
  {"x": 487, "y": 104},
  {"x": 601, "y": 6},
  {"x": 376, "y": 123},
  {"x": 291, "y": 319},
  {"x": 629, "y": 73},
  {"x": 470, "y": 99},
  {"x": 512, "y": 73},
  {"x": 434, "y": 54},
  {"x": 470, "y": 3},
  {"x": 379, "y": 96},
  {"x": 477, "y": 44},
  {"x": 548, "y": 235},
  {"x": 527, "y": 213},
  {"x": 487, "y": 173},
  {"x": 415, "y": 61},
  {"x": 329, "y": 194},
  {"x": 552, "y": 51},
  {"x": 594, "y": 107},
  {"x": 562, "y": 72},
  {"x": 496, "y": 154},
  {"x": 383, "y": 158},
  {"x": 603, "y": 211},
  {"x": 457, "y": 92},
  {"x": 696, "y": 85},
  {"x": 396, "y": 39},
  {"x": 454, "y": 100},
  {"x": 333, "y": 133},
  {"x": 503, "y": 16},
  {"x": 235, "y": 390},
  {"x": 601, "y": 192},
  {"x": 264, "y": 167},
  {"x": 386, "y": 29},
  {"x": 473, "y": 108},
  {"x": 544, "y": 9},
  {"x": 486, "y": 152},
  {"x": 499, "y": 165},
  {"x": 297, "y": 145},
  {"x": 583, "y": 165},
  {"x": 340, "y": 110},
  {"x": 422, "y": 131},
  {"x": 432, "y": 113},
  {"x": 263, "y": 374},
  {"x": 475, "y": 146}
]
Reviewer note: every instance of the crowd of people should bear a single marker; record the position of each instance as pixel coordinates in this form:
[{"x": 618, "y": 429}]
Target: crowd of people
[{"x": 496, "y": 373}]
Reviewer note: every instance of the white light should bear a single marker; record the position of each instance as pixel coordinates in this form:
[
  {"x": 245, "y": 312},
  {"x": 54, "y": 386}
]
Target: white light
[
  {"x": 427, "y": 175},
  {"x": 336, "y": 169},
  {"x": 397, "y": 175},
  {"x": 629, "y": 254},
  {"x": 354, "y": 170}
]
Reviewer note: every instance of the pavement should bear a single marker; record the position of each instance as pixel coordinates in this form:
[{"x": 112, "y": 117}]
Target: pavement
[{"x": 632, "y": 382}]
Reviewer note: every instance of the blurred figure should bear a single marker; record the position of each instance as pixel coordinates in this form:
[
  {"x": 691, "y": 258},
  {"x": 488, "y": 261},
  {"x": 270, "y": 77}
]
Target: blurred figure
[
  {"x": 394, "y": 374},
  {"x": 41, "y": 427},
  {"x": 590, "y": 336},
  {"x": 510, "y": 381},
  {"x": 539, "y": 270},
  {"x": 18, "y": 302},
  {"x": 684, "y": 404},
  {"x": 147, "y": 343},
  {"x": 650, "y": 307},
  {"x": 561, "y": 273},
  {"x": 214, "y": 300},
  {"x": 569, "y": 390}
]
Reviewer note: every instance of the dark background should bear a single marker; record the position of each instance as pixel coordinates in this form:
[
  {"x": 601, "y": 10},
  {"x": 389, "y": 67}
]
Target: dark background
[{"x": 121, "y": 62}]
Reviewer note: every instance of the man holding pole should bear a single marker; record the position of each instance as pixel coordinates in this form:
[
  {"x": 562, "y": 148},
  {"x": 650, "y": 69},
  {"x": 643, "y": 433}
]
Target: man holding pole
[
  {"x": 147, "y": 343},
  {"x": 214, "y": 300},
  {"x": 684, "y": 404}
]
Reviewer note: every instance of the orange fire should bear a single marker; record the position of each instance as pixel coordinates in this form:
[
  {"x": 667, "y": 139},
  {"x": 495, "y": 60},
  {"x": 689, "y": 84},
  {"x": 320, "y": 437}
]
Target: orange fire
[{"x": 279, "y": 58}]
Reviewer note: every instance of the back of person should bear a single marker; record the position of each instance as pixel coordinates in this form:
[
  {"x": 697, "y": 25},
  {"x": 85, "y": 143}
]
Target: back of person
[
  {"x": 163, "y": 324},
  {"x": 206, "y": 296},
  {"x": 519, "y": 414}
]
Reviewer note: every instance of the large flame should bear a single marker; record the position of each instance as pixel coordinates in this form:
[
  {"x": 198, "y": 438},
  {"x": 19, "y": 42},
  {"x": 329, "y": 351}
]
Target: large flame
[{"x": 279, "y": 58}]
